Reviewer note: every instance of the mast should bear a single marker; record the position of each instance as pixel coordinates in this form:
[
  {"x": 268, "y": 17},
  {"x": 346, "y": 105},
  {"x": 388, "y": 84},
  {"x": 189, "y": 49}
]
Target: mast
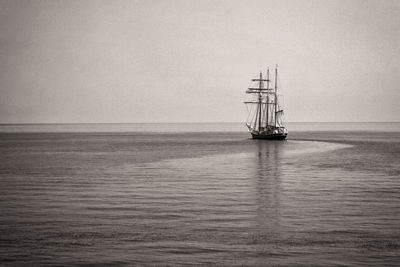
[
  {"x": 267, "y": 97},
  {"x": 259, "y": 103},
  {"x": 276, "y": 86}
]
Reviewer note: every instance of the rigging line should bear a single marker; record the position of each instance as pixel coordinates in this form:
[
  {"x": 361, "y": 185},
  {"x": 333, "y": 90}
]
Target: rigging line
[
  {"x": 254, "y": 115},
  {"x": 248, "y": 113}
]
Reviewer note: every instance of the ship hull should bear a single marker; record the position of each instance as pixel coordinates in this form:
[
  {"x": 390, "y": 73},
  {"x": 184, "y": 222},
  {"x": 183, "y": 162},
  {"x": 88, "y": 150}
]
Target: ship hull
[{"x": 269, "y": 136}]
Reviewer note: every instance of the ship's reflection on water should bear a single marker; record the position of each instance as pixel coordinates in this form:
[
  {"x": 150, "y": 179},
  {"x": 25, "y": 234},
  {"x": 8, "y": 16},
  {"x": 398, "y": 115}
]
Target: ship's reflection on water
[{"x": 267, "y": 177}]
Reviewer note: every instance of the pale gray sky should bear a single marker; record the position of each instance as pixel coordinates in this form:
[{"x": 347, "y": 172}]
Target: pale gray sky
[{"x": 191, "y": 61}]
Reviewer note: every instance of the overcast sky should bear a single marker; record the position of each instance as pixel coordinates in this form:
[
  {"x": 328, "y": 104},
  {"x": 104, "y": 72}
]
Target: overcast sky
[{"x": 191, "y": 61}]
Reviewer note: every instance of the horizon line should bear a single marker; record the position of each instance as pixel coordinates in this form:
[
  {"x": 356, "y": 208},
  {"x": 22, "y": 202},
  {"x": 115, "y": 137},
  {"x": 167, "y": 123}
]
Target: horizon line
[{"x": 66, "y": 123}]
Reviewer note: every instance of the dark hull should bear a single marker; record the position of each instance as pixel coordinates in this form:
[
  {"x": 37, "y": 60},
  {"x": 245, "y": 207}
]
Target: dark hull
[{"x": 269, "y": 136}]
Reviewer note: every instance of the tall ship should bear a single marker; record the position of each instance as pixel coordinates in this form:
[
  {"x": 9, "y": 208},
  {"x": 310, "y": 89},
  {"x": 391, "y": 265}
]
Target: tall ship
[{"x": 265, "y": 114}]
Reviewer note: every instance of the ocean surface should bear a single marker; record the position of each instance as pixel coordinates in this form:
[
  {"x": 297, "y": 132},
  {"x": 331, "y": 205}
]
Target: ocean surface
[{"x": 199, "y": 194}]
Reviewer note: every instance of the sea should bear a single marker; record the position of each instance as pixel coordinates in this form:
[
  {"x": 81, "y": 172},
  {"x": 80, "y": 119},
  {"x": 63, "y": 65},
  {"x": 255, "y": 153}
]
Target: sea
[{"x": 199, "y": 194}]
